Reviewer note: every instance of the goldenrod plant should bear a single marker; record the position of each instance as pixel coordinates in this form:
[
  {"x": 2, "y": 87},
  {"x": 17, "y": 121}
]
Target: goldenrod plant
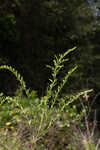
[{"x": 30, "y": 123}]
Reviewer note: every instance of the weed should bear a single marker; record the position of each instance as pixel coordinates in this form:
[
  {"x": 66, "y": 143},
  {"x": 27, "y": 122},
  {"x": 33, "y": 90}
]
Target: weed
[{"x": 28, "y": 123}]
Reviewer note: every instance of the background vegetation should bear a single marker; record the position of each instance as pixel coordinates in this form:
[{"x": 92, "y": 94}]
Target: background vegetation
[{"x": 31, "y": 32}]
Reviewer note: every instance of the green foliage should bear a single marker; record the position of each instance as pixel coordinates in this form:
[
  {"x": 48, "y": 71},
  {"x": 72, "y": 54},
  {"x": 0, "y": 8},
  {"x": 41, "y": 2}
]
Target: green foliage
[
  {"x": 58, "y": 65},
  {"x": 59, "y": 26},
  {"x": 17, "y": 3},
  {"x": 31, "y": 120},
  {"x": 8, "y": 26},
  {"x": 53, "y": 93},
  {"x": 18, "y": 77}
]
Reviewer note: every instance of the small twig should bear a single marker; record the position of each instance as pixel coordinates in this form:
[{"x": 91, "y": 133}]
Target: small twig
[
  {"x": 93, "y": 102},
  {"x": 98, "y": 143},
  {"x": 94, "y": 124}
]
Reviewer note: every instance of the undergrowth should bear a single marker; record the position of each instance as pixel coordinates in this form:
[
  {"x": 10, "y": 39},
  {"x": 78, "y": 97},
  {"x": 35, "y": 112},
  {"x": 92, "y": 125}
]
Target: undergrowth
[{"x": 52, "y": 122}]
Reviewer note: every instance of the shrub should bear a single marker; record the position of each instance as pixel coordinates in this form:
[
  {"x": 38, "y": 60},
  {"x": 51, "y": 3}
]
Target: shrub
[{"x": 31, "y": 120}]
